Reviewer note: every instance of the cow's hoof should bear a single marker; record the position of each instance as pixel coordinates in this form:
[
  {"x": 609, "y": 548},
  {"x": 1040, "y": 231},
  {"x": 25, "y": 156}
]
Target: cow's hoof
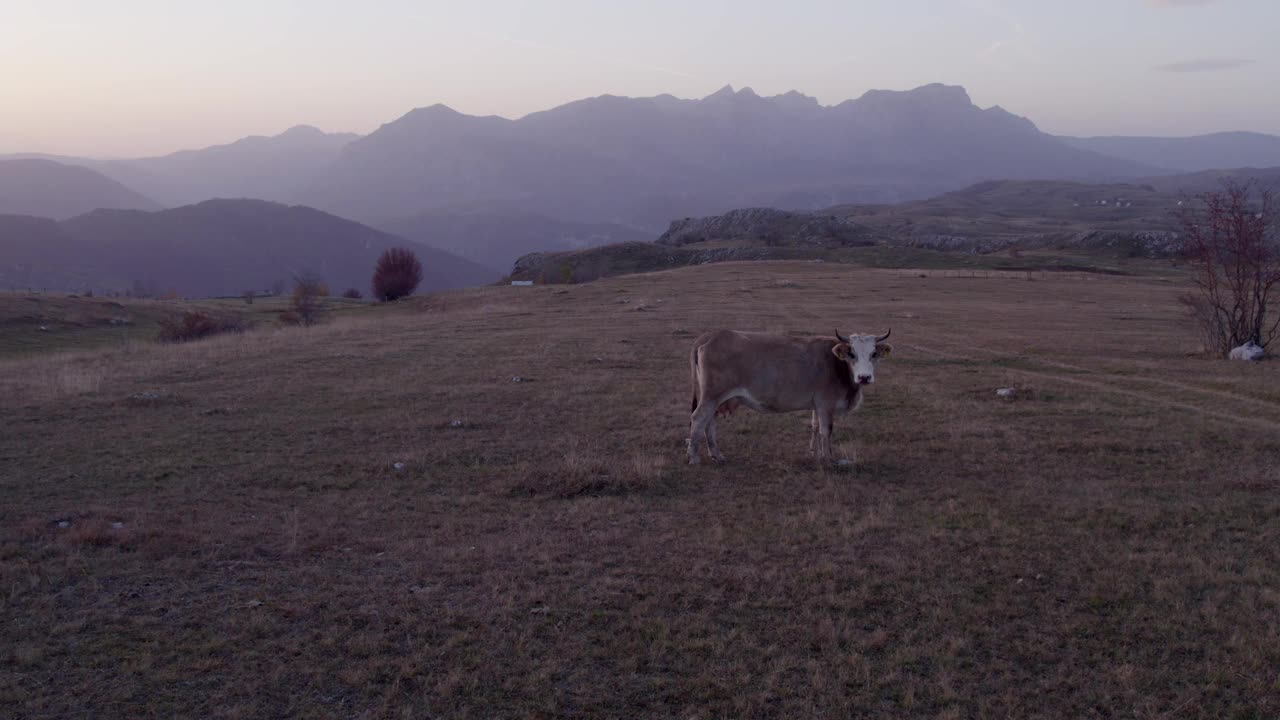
[
  {"x": 695, "y": 461},
  {"x": 720, "y": 459}
]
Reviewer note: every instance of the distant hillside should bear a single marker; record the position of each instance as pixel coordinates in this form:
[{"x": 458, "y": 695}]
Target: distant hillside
[
  {"x": 45, "y": 188},
  {"x": 1061, "y": 225},
  {"x": 1188, "y": 154},
  {"x": 496, "y": 239},
  {"x": 1126, "y": 219},
  {"x": 1210, "y": 180},
  {"x": 272, "y": 168},
  {"x": 218, "y": 247},
  {"x": 264, "y": 168},
  {"x": 642, "y": 161}
]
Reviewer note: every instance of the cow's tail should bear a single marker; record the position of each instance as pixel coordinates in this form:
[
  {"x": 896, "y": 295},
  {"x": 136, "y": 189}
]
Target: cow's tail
[{"x": 693, "y": 377}]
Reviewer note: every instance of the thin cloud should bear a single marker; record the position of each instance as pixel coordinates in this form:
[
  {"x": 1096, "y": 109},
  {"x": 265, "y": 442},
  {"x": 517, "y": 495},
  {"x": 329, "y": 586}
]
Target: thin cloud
[
  {"x": 1179, "y": 3},
  {"x": 994, "y": 48},
  {"x": 1015, "y": 39},
  {"x": 1204, "y": 65}
]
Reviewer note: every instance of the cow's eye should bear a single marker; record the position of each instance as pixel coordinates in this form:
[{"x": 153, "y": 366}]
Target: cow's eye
[{"x": 875, "y": 355}]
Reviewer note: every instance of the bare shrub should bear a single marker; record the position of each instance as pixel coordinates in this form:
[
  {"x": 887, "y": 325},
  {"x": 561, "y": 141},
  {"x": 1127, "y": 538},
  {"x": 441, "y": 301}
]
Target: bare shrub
[
  {"x": 306, "y": 303},
  {"x": 249, "y": 297},
  {"x": 1229, "y": 237},
  {"x": 397, "y": 274},
  {"x": 352, "y": 294},
  {"x": 196, "y": 324}
]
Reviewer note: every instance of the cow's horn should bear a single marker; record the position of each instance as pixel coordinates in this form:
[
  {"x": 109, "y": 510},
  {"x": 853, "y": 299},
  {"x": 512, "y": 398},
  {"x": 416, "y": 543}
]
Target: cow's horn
[
  {"x": 884, "y": 337},
  {"x": 840, "y": 337}
]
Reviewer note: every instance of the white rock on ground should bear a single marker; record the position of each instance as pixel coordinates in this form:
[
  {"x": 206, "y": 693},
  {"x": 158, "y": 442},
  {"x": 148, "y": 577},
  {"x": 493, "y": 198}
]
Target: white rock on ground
[{"x": 1249, "y": 351}]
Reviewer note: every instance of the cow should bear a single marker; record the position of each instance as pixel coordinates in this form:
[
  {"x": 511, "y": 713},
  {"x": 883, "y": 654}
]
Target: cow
[{"x": 779, "y": 373}]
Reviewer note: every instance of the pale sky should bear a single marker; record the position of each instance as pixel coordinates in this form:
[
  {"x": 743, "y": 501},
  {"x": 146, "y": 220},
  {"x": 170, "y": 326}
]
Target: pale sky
[{"x": 138, "y": 77}]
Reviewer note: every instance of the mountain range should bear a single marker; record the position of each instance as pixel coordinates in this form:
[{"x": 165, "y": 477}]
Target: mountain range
[
  {"x": 642, "y": 161},
  {"x": 612, "y": 169}
]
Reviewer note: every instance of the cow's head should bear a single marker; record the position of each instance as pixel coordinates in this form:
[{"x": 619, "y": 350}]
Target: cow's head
[{"x": 862, "y": 352}]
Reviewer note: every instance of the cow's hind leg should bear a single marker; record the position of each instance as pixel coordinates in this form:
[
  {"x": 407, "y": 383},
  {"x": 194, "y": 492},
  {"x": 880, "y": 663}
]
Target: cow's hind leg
[
  {"x": 813, "y": 431},
  {"x": 712, "y": 443},
  {"x": 702, "y": 417}
]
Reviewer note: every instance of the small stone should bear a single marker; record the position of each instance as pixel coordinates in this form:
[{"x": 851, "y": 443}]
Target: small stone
[
  {"x": 254, "y": 603},
  {"x": 1007, "y": 392},
  {"x": 64, "y": 524},
  {"x": 517, "y": 379},
  {"x": 456, "y": 423},
  {"x": 1250, "y": 352},
  {"x": 398, "y": 466},
  {"x": 117, "y": 525},
  {"x": 44, "y": 328}
]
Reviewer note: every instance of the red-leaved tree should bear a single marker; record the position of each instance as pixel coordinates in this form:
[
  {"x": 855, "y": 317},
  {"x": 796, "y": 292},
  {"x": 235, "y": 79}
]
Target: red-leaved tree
[
  {"x": 1229, "y": 237},
  {"x": 397, "y": 274}
]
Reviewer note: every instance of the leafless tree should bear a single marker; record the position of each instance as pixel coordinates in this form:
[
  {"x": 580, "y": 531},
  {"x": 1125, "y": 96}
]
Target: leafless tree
[{"x": 1230, "y": 241}]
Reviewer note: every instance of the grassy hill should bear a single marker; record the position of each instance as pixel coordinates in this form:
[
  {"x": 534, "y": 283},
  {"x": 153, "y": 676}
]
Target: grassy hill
[
  {"x": 215, "y": 248},
  {"x": 370, "y": 518}
]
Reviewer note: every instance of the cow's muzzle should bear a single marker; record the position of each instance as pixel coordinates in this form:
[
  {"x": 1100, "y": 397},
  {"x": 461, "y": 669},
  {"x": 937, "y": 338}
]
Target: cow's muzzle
[{"x": 865, "y": 379}]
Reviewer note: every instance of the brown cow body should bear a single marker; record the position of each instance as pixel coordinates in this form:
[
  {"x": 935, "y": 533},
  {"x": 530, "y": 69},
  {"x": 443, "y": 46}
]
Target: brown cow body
[{"x": 777, "y": 373}]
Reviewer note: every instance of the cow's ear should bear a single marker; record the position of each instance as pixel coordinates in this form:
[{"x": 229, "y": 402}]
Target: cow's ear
[
  {"x": 841, "y": 350},
  {"x": 883, "y": 349}
]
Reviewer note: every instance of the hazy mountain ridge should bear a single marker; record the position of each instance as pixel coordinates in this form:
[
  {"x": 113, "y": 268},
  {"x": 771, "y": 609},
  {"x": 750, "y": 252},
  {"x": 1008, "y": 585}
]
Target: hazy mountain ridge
[
  {"x": 1188, "y": 154},
  {"x": 642, "y": 161},
  {"x": 46, "y": 188},
  {"x": 259, "y": 167},
  {"x": 218, "y": 247}
]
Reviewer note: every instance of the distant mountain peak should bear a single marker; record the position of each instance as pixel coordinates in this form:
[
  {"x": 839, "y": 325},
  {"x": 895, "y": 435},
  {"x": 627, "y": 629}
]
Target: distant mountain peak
[
  {"x": 934, "y": 95},
  {"x": 794, "y": 100},
  {"x": 724, "y": 92},
  {"x": 298, "y": 131},
  {"x": 436, "y": 110}
]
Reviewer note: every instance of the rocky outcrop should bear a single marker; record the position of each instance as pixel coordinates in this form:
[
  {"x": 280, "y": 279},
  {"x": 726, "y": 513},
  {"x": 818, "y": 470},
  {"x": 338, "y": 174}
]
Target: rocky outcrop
[
  {"x": 1145, "y": 244},
  {"x": 776, "y": 228}
]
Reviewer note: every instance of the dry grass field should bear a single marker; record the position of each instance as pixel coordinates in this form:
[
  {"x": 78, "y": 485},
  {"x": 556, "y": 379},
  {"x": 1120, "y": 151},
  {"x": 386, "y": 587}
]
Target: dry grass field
[
  {"x": 40, "y": 323},
  {"x": 372, "y": 519}
]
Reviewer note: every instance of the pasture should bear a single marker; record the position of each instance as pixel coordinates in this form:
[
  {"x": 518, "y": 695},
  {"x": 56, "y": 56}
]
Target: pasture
[{"x": 371, "y": 518}]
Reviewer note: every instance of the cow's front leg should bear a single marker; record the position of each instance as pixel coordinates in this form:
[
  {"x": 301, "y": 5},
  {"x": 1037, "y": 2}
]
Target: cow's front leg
[
  {"x": 813, "y": 431},
  {"x": 823, "y": 453}
]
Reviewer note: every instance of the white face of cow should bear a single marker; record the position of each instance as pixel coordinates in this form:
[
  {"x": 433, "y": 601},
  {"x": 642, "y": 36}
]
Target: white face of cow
[{"x": 862, "y": 352}]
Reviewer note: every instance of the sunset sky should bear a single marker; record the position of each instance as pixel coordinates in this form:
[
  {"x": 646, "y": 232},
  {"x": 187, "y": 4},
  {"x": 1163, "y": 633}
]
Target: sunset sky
[{"x": 137, "y": 77}]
